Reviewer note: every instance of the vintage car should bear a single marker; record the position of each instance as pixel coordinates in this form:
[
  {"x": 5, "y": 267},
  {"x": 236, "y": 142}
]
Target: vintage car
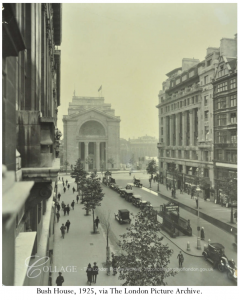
[
  {"x": 119, "y": 188},
  {"x": 137, "y": 183},
  {"x": 214, "y": 253},
  {"x": 144, "y": 204},
  {"x": 136, "y": 200},
  {"x": 128, "y": 186},
  {"x": 115, "y": 188},
  {"x": 128, "y": 195},
  {"x": 122, "y": 192},
  {"x": 123, "y": 216}
]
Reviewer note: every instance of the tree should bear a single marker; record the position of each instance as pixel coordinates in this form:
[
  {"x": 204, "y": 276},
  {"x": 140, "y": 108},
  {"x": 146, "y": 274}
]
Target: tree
[
  {"x": 229, "y": 188},
  {"x": 93, "y": 195},
  {"x": 176, "y": 174},
  {"x": 66, "y": 164},
  {"x": 78, "y": 173},
  {"x": 152, "y": 168},
  {"x": 146, "y": 259}
]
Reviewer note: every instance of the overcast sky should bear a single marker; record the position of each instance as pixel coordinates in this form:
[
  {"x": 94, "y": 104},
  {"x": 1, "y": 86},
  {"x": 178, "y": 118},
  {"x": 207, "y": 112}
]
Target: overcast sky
[{"x": 128, "y": 49}]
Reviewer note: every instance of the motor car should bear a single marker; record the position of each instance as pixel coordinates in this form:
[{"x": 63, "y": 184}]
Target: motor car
[
  {"x": 128, "y": 195},
  {"x": 136, "y": 200},
  {"x": 137, "y": 183},
  {"x": 122, "y": 192},
  {"x": 128, "y": 186},
  {"x": 215, "y": 253},
  {"x": 144, "y": 204},
  {"x": 123, "y": 216}
]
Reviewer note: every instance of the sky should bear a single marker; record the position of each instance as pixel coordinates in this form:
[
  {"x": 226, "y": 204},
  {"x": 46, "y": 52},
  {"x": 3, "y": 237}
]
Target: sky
[{"x": 128, "y": 49}]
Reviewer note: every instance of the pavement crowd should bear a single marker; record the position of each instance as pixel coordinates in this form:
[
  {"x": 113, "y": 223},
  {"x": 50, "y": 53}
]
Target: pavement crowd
[{"x": 75, "y": 244}]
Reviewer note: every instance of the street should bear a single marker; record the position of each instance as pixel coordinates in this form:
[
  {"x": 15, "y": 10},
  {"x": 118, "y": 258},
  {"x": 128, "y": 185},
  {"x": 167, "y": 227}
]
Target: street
[{"x": 75, "y": 249}]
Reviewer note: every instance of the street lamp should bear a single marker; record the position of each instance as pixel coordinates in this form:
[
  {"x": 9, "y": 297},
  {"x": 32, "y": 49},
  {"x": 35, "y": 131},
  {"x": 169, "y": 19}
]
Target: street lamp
[{"x": 198, "y": 190}]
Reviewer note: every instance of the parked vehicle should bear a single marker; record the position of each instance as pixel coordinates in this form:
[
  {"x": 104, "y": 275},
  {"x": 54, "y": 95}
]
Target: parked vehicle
[
  {"x": 231, "y": 270},
  {"x": 116, "y": 186},
  {"x": 136, "y": 200},
  {"x": 128, "y": 195},
  {"x": 122, "y": 193},
  {"x": 119, "y": 189},
  {"x": 123, "y": 216},
  {"x": 128, "y": 186},
  {"x": 144, "y": 204},
  {"x": 137, "y": 183},
  {"x": 214, "y": 253}
]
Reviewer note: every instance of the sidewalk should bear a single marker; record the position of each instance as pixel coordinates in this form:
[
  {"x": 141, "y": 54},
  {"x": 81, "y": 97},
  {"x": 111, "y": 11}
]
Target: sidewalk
[
  {"x": 220, "y": 213},
  {"x": 80, "y": 246}
]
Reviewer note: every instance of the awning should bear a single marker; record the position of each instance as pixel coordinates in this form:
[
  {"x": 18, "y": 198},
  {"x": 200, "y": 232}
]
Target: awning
[{"x": 23, "y": 250}]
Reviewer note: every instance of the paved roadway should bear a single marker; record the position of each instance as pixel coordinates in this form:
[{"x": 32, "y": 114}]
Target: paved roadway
[{"x": 113, "y": 202}]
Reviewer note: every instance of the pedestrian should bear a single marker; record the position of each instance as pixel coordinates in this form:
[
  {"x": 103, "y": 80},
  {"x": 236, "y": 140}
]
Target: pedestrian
[
  {"x": 59, "y": 279},
  {"x": 172, "y": 192},
  {"x": 68, "y": 186},
  {"x": 58, "y": 207},
  {"x": 196, "y": 202},
  {"x": 150, "y": 182},
  {"x": 57, "y": 216},
  {"x": 66, "y": 181},
  {"x": 129, "y": 173},
  {"x": 68, "y": 209},
  {"x": 73, "y": 204},
  {"x": 77, "y": 198},
  {"x": 73, "y": 189},
  {"x": 202, "y": 234},
  {"x": 65, "y": 210},
  {"x": 62, "y": 179},
  {"x": 62, "y": 205},
  {"x": 59, "y": 197},
  {"x": 89, "y": 274},
  {"x": 191, "y": 194},
  {"x": 64, "y": 189},
  {"x": 63, "y": 230},
  {"x": 97, "y": 221},
  {"x": 68, "y": 223},
  {"x": 59, "y": 178},
  {"x": 180, "y": 259},
  {"x": 95, "y": 272}
]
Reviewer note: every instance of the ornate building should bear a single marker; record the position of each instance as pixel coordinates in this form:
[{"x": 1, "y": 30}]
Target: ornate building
[
  {"x": 31, "y": 95},
  {"x": 91, "y": 133},
  {"x": 225, "y": 115}
]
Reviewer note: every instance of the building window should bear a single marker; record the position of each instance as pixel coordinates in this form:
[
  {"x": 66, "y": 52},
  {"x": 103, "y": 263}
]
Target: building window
[
  {"x": 205, "y": 79},
  {"x": 178, "y": 104},
  {"x": 221, "y": 137},
  {"x": 167, "y": 153},
  {"x": 188, "y": 101},
  {"x": 221, "y": 120},
  {"x": 206, "y": 173},
  {"x": 233, "y": 117},
  {"x": 234, "y": 156},
  {"x": 222, "y": 87},
  {"x": 233, "y": 99},
  {"x": 171, "y": 106},
  {"x": 222, "y": 71},
  {"x": 233, "y": 136},
  {"x": 161, "y": 165},
  {"x": 184, "y": 77},
  {"x": 219, "y": 154},
  {"x": 161, "y": 121},
  {"x": 178, "y": 81},
  {"x": 233, "y": 83},
  {"x": 206, "y": 115},
  {"x": 221, "y": 103},
  {"x": 179, "y": 154},
  {"x": 192, "y": 100},
  {"x": 173, "y": 153},
  {"x": 206, "y": 155},
  {"x": 228, "y": 156},
  {"x": 161, "y": 130},
  {"x": 206, "y": 100},
  {"x": 191, "y": 74},
  {"x": 196, "y": 99},
  {"x": 161, "y": 110},
  {"x": 185, "y": 102},
  {"x": 161, "y": 140},
  {"x": 161, "y": 153},
  {"x": 209, "y": 62},
  {"x": 206, "y": 133},
  {"x": 186, "y": 154},
  {"x": 181, "y": 103}
]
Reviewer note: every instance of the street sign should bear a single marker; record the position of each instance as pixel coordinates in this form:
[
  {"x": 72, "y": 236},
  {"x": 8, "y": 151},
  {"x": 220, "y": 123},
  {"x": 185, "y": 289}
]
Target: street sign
[{"x": 172, "y": 208}]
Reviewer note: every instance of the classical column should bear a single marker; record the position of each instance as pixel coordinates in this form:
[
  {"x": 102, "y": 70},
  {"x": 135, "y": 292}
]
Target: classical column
[
  {"x": 184, "y": 128},
  {"x": 86, "y": 156},
  {"x": 97, "y": 156},
  {"x": 171, "y": 130},
  {"x": 191, "y": 120},
  {"x": 177, "y": 116}
]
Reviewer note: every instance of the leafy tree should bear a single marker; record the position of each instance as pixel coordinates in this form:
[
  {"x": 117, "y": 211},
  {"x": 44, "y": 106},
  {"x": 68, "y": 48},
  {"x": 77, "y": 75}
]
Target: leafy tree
[
  {"x": 144, "y": 259},
  {"x": 66, "y": 164},
  {"x": 93, "y": 195},
  {"x": 78, "y": 173},
  {"x": 175, "y": 172},
  {"x": 152, "y": 168},
  {"x": 229, "y": 188}
]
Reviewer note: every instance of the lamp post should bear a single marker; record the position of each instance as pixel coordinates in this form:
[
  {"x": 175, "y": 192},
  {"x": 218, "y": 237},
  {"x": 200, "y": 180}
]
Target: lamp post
[
  {"x": 198, "y": 219},
  {"x": 158, "y": 182}
]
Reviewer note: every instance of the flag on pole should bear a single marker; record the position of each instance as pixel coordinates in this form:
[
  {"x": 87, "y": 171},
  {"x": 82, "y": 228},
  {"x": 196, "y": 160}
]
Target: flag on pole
[{"x": 100, "y": 88}]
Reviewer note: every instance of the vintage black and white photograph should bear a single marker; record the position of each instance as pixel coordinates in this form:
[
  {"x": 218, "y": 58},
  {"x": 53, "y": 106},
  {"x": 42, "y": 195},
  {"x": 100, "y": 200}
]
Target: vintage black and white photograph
[{"x": 119, "y": 146}]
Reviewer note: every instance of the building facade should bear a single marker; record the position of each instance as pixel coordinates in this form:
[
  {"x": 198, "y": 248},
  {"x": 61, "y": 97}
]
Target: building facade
[
  {"x": 92, "y": 134},
  {"x": 31, "y": 95},
  {"x": 225, "y": 116}
]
